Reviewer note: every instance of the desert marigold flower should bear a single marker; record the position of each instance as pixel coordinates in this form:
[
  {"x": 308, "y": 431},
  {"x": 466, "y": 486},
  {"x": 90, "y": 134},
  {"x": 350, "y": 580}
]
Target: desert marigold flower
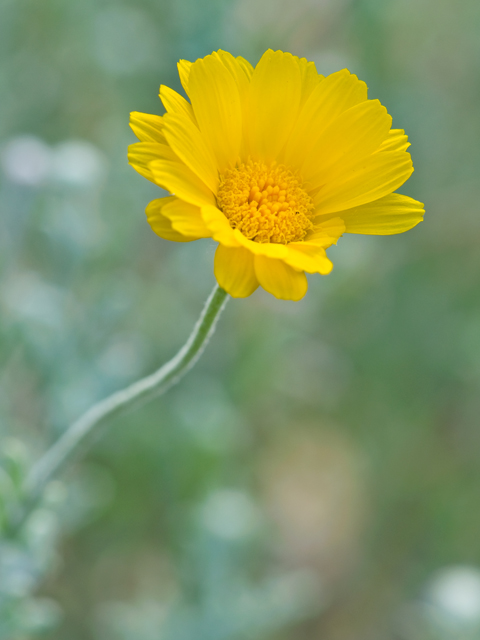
[{"x": 275, "y": 163}]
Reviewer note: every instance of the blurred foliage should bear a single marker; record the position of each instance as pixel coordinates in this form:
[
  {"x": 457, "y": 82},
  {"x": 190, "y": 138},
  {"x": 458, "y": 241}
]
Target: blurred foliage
[{"x": 320, "y": 466}]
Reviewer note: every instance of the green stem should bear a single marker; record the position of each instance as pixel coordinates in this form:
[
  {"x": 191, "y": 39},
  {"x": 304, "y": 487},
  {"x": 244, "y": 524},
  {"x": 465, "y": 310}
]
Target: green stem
[{"x": 137, "y": 393}]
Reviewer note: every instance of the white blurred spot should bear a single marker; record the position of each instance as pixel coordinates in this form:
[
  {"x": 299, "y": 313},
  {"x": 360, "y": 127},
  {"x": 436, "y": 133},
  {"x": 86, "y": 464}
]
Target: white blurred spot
[
  {"x": 41, "y": 531},
  {"x": 456, "y": 591},
  {"x": 30, "y": 298},
  {"x": 78, "y": 163},
  {"x": 17, "y": 572},
  {"x": 26, "y": 160},
  {"x": 229, "y": 514},
  {"x": 125, "y": 40}
]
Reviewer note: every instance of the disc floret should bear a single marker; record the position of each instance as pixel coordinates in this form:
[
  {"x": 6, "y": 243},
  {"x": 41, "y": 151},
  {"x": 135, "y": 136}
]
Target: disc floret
[{"x": 265, "y": 203}]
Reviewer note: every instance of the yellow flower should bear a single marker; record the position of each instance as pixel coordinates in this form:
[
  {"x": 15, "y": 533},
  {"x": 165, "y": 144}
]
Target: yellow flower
[{"x": 275, "y": 164}]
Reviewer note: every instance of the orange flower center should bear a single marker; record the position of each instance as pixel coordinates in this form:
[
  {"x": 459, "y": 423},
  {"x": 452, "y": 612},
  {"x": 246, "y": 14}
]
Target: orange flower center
[{"x": 267, "y": 204}]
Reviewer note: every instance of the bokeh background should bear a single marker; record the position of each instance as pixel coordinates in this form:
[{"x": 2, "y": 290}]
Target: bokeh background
[{"x": 317, "y": 476}]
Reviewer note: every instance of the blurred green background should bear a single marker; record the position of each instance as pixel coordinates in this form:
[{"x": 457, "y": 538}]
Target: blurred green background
[{"x": 317, "y": 475}]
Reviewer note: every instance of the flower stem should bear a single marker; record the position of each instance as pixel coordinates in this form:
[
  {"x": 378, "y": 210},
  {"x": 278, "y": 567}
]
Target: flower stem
[{"x": 137, "y": 393}]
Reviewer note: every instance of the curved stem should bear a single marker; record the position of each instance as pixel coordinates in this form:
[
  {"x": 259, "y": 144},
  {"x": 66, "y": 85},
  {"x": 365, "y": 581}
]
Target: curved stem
[{"x": 121, "y": 401}]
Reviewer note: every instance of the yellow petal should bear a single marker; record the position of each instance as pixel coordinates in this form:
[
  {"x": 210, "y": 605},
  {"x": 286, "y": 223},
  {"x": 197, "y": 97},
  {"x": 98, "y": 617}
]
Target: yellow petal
[
  {"x": 175, "y": 177},
  {"x": 326, "y": 232},
  {"x": 220, "y": 229},
  {"x": 215, "y": 98},
  {"x": 186, "y": 219},
  {"x": 234, "y": 271},
  {"x": 310, "y": 78},
  {"x": 175, "y": 103},
  {"x": 350, "y": 138},
  {"x": 274, "y": 100},
  {"x": 335, "y": 94},
  {"x": 391, "y": 214},
  {"x": 269, "y": 249},
  {"x": 239, "y": 69},
  {"x": 308, "y": 257},
  {"x": 184, "y": 67},
  {"x": 395, "y": 141},
  {"x": 189, "y": 145},
  {"x": 142, "y": 154},
  {"x": 162, "y": 225},
  {"x": 375, "y": 177},
  {"x": 246, "y": 66},
  {"x": 280, "y": 279},
  {"x": 147, "y": 128}
]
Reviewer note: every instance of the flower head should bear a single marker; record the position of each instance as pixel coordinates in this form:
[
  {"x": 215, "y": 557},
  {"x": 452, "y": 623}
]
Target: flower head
[{"x": 275, "y": 164}]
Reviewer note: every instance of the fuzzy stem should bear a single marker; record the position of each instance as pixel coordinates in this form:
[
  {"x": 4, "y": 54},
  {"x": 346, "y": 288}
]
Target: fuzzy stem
[{"x": 137, "y": 393}]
